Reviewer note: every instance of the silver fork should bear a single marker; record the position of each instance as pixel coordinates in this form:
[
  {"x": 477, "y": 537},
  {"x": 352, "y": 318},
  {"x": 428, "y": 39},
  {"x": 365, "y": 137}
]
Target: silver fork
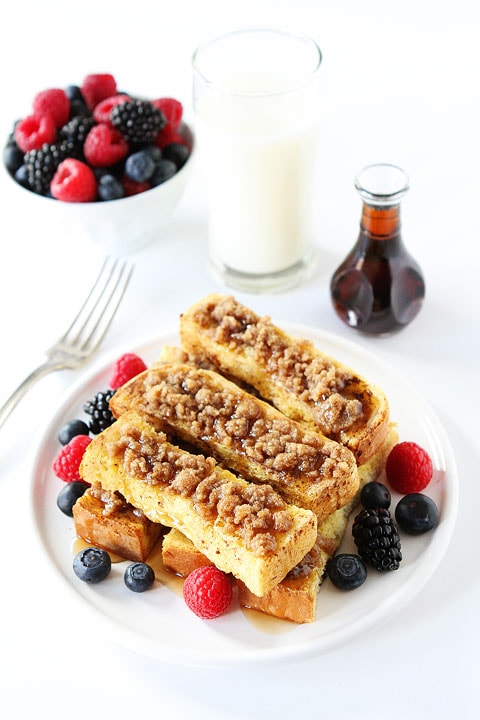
[{"x": 86, "y": 332}]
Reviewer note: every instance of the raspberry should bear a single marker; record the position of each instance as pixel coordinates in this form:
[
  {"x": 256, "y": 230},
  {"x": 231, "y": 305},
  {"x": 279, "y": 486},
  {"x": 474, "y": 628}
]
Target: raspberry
[
  {"x": 68, "y": 460},
  {"x": 408, "y": 468},
  {"x": 125, "y": 368},
  {"x": 172, "y": 110},
  {"x": 104, "y": 146},
  {"x": 130, "y": 187},
  {"x": 167, "y": 136},
  {"x": 207, "y": 592},
  {"x": 103, "y": 111},
  {"x": 34, "y": 131},
  {"x": 74, "y": 181},
  {"x": 54, "y": 103},
  {"x": 96, "y": 88}
]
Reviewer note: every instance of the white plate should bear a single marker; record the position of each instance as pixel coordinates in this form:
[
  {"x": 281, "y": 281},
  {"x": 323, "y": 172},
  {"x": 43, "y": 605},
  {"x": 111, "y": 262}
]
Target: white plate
[{"x": 158, "y": 623}]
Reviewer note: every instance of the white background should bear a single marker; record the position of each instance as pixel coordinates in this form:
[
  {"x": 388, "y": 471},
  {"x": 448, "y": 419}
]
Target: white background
[{"x": 400, "y": 85}]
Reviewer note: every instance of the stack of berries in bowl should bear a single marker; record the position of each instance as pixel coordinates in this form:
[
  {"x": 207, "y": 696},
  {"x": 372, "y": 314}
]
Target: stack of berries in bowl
[{"x": 93, "y": 143}]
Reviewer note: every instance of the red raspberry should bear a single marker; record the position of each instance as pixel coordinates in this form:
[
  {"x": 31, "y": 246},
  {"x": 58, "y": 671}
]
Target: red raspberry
[
  {"x": 68, "y": 460},
  {"x": 96, "y": 88},
  {"x": 34, "y": 131},
  {"x": 172, "y": 110},
  {"x": 104, "y": 146},
  {"x": 167, "y": 136},
  {"x": 53, "y": 102},
  {"x": 103, "y": 110},
  {"x": 408, "y": 468},
  {"x": 208, "y": 592},
  {"x": 130, "y": 187},
  {"x": 74, "y": 181},
  {"x": 125, "y": 368}
]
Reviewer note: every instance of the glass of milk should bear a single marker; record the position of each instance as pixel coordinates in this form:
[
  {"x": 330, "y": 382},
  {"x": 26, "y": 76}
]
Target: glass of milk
[{"x": 257, "y": 106}]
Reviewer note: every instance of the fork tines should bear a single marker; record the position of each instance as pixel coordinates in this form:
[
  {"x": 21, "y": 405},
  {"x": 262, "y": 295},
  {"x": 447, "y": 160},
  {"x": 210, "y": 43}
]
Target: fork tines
[{"x": 97, "y": 312}]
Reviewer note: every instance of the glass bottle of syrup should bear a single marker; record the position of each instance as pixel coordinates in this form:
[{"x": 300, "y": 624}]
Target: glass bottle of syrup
[{"x": 379, "y": 288}]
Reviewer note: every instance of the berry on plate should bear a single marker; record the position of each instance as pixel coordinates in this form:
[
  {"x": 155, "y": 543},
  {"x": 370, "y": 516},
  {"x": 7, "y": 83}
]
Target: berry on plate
[
  {"x": 125, "y": 368},
  {"x": 67, "y": 462},
  {"x": 92, "y": 565},
  {"x": 408, "y": 468},
  {"x": 416, "y": 514},
  {"x": 74, "y": 181},
  {"x": 69, "y": 494},
  {"x": 139, "y": 577},
  {"x": 72, "y": 428},
  {"x": 99, "y": 410},
  {"x": 207, "y": 591},
  {"x": 377, "y": 539},
  {"x": 375, "y": 495},
  {"x": 346, "y": 571}
]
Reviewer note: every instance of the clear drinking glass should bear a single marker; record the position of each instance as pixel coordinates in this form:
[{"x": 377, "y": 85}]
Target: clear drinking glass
[{"x": 257, "y": 106}]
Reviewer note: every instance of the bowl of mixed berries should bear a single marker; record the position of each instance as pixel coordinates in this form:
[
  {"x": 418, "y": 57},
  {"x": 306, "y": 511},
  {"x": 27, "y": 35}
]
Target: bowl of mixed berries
[{"x": 112, "y": 166}]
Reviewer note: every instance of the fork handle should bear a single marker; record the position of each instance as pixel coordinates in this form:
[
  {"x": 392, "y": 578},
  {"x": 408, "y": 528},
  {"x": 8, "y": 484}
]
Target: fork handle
[{"x": 37, "y": 374}]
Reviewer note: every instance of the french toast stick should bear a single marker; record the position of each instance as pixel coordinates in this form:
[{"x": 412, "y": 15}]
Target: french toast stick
[
  {"x": 243, "y": 528},
  {"x": 295, "y": 597},
  {"x": 114, "y": 525},
  {"x": 246, "y": 434},
  {"x": 295, "y": 376}
]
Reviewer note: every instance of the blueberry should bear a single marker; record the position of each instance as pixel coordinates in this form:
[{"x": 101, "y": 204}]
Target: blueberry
[
  {"x": 110, "y": 188},
  {"x": 154, "y": 152},
  {"x": 177, "y": 153},
  {"x": 375, "y": 495},
  {"x": 73, "y": 92},
  {"x": 139, "y": 577},
  {"x": 69, "y": 494},
  {"x": 164, "y": 170},
  {"x": 92, "y": 564},
  {"x": 71, "y": 429},
  {"x": 12, "y": 157},
  {"x": 347, "y": 571},
  {"x": 21, "y": 176},
  {"x": 140, "y": 166},
  {"x": 416, "y": 514}
]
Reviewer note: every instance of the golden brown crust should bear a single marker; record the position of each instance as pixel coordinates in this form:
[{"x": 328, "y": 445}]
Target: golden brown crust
[
  {"x": 295, "y": 597},
  {"x": 292, "y": 374},
  {"x": 243, "y": 528},
  {"x": 122, "y": 531},
  {"x": 246, "y": 434}
]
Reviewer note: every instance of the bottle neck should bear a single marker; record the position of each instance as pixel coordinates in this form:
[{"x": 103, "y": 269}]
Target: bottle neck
[{"x": 380, "y": 223}]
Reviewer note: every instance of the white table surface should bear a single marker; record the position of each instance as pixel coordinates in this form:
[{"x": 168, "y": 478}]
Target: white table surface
[{"x": 401, "y": 85}]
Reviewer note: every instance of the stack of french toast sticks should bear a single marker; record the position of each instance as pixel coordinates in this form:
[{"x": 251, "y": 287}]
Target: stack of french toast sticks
[{"x": 243, "y": 447}]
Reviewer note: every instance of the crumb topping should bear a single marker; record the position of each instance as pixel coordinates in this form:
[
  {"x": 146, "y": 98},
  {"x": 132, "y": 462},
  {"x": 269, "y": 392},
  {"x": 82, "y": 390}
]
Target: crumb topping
[
  {"x": 255, "y": 512},
  {"x": 315, "y": 380},
  {"x": 217, "y": 412}
]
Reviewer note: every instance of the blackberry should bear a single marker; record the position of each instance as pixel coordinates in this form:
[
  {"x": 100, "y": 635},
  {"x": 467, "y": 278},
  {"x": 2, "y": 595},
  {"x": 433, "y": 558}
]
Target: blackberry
[
  {"x": 99, "y": 410},
  {"x": 377, "y": 539},
  {"x": 138, "y": 121},
  {"x": 42, "y": 165},
  {"x": 75, "y": 132}
]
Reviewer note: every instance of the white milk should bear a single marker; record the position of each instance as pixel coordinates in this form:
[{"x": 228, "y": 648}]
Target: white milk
[
  {"x": 256, "y": 138},
  {"x": 259, "y": 190}
]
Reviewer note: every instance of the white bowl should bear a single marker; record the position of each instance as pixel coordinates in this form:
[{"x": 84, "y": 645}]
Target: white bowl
[{"x": 121, "y": 226}]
